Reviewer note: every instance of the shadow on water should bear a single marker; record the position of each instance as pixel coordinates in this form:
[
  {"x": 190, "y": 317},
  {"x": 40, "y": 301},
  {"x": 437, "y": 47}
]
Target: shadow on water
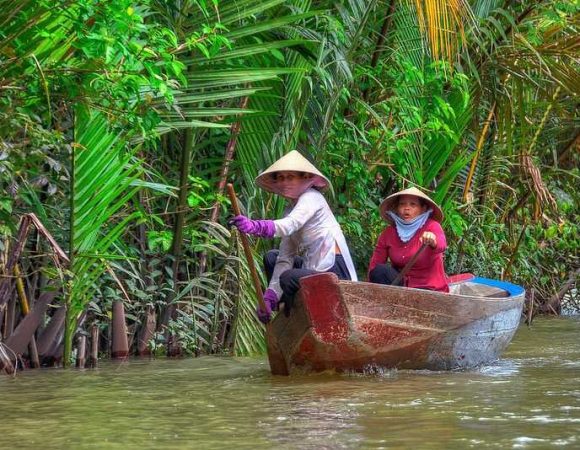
[{"x": 528, "y": 399}]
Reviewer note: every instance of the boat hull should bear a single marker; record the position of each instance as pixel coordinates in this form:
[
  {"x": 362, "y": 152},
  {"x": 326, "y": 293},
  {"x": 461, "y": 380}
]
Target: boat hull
[{"x": 355, "y": 326}]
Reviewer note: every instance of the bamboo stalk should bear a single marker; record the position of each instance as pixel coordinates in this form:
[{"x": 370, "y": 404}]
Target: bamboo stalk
[
  {"x": 25, "y": 309},
  {"x": 18, "y": 341},
  {"x": 9, "y": 319},
  {"x": 149, "y": 322},
  {"x": 181, "y": 208},
  {"x": 378, "y": 50},
  {"x": 49, "y": 338},
  {"x": 147, "y": 332},
  {"x": 228, "y": 158},
  {"x": 530, "y": 311},
  {"x": 2, "y": 313},
  {"x": 556, "y": 299},
  {"x": 513, "y": 255},
  {"x": 120, "y": 344},
  {"x": 13, "y": 257},
  {"x": 34, "y": 357},
  {"x": 94, "y": 355},
  {"x": 69, "y": 317},
  {"x": 21, "y": 291},
  {"x": 574, "y": 145},
  {"x": 81, "y": 351}
]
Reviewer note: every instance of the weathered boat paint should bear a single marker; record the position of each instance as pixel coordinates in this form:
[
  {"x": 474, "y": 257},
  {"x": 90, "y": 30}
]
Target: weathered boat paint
[{"x": 344, "y": 325}]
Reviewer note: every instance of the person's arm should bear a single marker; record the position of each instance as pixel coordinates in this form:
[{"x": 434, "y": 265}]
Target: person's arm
[
  {"x": 381, "y": 252},
  {"x": 305, "y": 208}
]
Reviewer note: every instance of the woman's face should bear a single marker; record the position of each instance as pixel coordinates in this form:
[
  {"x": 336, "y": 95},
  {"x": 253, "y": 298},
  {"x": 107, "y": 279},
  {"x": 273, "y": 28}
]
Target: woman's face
[
  {"x": 410, "y": 207},
  {"x": 288, "y": 182}
]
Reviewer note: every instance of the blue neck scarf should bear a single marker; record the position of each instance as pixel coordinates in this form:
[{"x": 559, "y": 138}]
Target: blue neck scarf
[{"x": 406, "y": 229}]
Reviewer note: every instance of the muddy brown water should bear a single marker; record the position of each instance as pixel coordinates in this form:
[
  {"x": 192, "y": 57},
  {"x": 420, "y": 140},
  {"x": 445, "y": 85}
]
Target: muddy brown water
[{"x": 529, "y": 399}]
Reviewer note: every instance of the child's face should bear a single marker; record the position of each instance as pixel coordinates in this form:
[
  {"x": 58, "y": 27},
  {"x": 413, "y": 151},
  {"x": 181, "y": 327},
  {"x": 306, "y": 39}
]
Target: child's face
[{"x": 410, "y": 207}]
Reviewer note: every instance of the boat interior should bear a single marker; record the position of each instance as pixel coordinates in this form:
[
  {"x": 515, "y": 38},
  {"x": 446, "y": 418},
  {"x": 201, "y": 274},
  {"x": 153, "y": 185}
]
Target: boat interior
[
  {"x": 468, "y": 284},
  {"x": 477, "y": 290}
]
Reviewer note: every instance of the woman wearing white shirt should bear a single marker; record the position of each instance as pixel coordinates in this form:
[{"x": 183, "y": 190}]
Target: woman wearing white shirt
[{"x": 312, "y": 240}]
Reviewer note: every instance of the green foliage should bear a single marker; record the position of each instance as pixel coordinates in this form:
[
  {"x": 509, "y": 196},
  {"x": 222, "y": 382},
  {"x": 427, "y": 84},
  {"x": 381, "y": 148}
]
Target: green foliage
[
  {"x": 198, "y": 195},
  {"x": 432, "y": 109},
  {"x": 100, "y": 99},
  {"x": 413, "y": 136},
  {"x": 545, "y": 258},
  {"x": 357, "y": 189},
  {"x": 113, "y": 54},
  {"x": 33, "y": 170},
  {"x": 159, "y": 240},
  {"x": 102, "y": 174}
]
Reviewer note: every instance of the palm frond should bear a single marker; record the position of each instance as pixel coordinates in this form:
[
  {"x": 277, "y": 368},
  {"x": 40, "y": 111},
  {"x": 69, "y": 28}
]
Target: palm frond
[
  {"x": 103, "y": 181},
  {"x": 442, "y": 23}
]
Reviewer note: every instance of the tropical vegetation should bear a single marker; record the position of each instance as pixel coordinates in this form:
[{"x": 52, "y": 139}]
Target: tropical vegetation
[{"x": 121, "y": 121}]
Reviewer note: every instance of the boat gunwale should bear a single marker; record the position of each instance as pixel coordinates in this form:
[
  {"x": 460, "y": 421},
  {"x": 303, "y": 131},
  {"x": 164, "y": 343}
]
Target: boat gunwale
[{"x": 446, "y": 295}]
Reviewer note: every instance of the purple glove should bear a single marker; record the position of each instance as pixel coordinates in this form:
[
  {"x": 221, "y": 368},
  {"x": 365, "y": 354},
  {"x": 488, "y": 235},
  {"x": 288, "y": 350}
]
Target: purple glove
[
  {"x": 271, "y": 302},
  {"x": 260, "y": 228}
]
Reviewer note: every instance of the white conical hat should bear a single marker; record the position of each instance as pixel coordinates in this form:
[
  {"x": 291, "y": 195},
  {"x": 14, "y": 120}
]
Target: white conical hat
[
  {"x": 390, "y": 203},
  {"x": 292, "y": 161}
]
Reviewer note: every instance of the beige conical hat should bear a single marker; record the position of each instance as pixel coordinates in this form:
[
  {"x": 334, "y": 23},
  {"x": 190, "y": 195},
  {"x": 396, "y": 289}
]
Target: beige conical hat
[
  {"x": 390, "y": 203},
  {"x": 293, "y": 161}
]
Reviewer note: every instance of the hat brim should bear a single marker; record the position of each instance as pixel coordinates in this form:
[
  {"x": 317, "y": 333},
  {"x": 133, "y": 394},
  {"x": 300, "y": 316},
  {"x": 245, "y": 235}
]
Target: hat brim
[
  {"x": 294, "y": 162},
  {"x": 390, "y": 203}
]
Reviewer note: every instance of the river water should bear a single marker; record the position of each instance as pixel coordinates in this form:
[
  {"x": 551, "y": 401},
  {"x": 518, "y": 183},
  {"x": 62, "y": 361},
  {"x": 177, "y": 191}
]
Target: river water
[{"x": 529, "y": 399}]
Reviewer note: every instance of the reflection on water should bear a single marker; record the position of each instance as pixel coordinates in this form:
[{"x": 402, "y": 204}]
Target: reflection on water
[{"x": 530, "y": 399}]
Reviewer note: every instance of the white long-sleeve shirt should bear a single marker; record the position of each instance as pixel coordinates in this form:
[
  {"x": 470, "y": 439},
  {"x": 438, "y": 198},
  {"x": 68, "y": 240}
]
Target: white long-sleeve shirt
[{"x": 309, "y": 229}]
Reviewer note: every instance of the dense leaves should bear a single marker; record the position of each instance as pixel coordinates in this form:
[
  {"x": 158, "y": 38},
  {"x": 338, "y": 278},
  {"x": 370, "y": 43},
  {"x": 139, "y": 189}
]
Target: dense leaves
[{"x": 119, "y": 119}]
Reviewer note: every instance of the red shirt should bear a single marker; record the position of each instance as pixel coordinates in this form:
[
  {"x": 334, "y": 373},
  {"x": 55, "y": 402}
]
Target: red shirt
[{"x": 428, "y": 271}]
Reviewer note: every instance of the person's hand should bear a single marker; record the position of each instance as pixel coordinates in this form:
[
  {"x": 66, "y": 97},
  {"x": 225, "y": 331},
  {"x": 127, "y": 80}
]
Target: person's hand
[
  {"x": 271, "y": 303},
  {"x": 260, "y": 228},
  {"x": 428, "y": 238},
  {"x": 242, "y": 223}
]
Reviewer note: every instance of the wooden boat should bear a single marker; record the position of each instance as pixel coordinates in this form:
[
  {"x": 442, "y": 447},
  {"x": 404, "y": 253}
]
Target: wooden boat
[{"x": 356, "y": 326}]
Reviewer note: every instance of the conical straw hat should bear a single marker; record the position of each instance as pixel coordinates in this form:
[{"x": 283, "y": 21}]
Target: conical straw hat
[
  {"x": 390, "y": 203},
  {"x": 292, "y": 161}
]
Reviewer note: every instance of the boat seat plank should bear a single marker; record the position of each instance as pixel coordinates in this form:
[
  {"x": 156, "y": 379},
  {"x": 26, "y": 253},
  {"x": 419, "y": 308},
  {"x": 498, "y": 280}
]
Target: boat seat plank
[{"x": 479, "y": 290}]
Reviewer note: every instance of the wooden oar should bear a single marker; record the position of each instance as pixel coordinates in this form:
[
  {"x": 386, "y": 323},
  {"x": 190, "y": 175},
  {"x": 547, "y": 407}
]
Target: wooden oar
[
  {"x": 277, "y": 362},
  {"x": 408, "y": 266}
]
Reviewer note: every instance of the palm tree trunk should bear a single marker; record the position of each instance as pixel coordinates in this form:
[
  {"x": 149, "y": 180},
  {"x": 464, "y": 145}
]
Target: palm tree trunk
[
  {"x": 474, "y": 161},
  {"x": 228, "y": 158},
  {"x": 149, "y": 321},
  {"x": 13, "y": 256},
  {"x": 574, "y": 145},
  {"x": 176, "y": 245},
  {"x": 380, "y": 42},
  {"x": 69, "y": 319}
]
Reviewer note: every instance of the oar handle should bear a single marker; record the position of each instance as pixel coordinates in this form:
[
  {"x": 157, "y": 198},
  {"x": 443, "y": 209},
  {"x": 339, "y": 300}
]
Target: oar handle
[
  {"x": 247, "y": 249},
  {"x": 409, "y": 265}
]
